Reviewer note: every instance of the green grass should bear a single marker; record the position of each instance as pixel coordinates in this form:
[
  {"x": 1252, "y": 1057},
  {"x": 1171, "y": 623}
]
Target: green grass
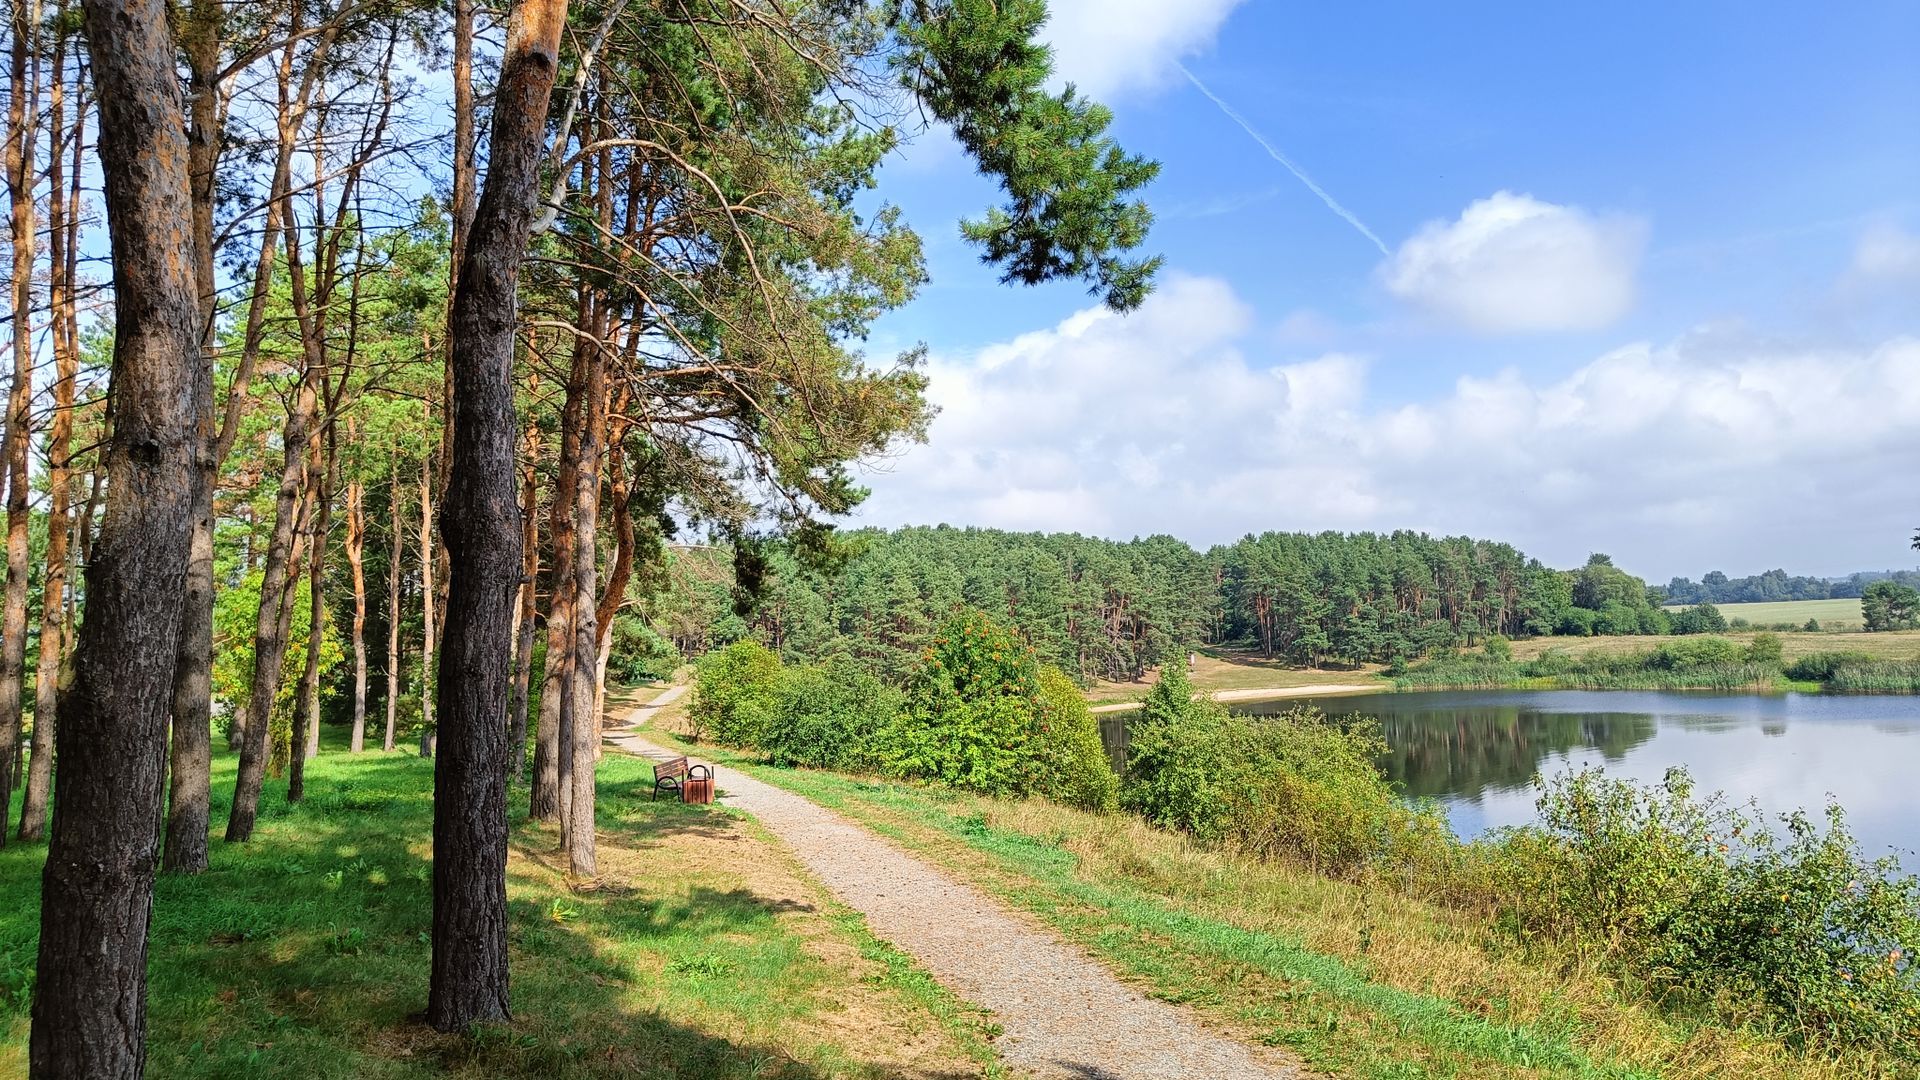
[
  {"x": 700, "y": 954},
  {"x": 1833, "y": 614}
]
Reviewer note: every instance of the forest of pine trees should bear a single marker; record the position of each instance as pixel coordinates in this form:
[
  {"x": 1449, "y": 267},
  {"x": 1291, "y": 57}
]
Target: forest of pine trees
[{"x": 366, "y": 356}]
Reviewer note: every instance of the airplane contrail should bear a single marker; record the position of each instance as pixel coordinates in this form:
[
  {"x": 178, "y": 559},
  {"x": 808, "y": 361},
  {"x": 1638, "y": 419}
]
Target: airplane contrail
[{"x": 1273, "y": 151}]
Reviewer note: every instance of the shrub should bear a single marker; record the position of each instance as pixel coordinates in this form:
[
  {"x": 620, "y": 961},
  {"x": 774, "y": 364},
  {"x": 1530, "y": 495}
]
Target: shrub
[
  {"x": 1700, "y": 898},
  {"x": 637, "y": 653},
  {"x": 1820, "y": 666},
  {"x": 1299, "y": 787},
  {"x": 827, "y": 717},
  {"x": 1812, "y": 627},
  {"x": 969, "y": 717},
  {"x": 1699, "y": 619},
  {"x": 1765, "y": 649},
  {"x": 1695, "y": 652},
  {"x": 734, "y": 694},
  {"x": 1498, "y": 648},
  {"x": 1070, "y": 762}
]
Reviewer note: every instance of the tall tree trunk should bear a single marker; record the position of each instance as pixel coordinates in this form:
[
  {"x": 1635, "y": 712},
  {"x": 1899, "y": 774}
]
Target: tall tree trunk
[
  {"x": 530, "y": 574},
  {"x": 23, "y": 107},
  {"x": 581, "y": 708},
  {"x": 63, "y": 205},
  {"x": 427, "y": 624},
  {"x": 89, "y": 1008},
  {"x": 304, "y": 738},
  {"x": 481, "y": 529},
  {"x": 556, "y": 677},
  {"x": 270, "y": 634},
  {"x": 396, "y": 542},
  {"x": 356, "y": 559}
]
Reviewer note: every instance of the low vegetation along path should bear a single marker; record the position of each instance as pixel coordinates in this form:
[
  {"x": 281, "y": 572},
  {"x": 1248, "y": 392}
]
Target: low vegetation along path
[{"x": 1060, "y": 1013}]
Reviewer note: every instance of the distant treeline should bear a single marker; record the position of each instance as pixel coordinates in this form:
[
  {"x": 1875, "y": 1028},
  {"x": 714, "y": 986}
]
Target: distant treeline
[
  {"x": 1114, "y": 609},
  {"x": 1775, "y": 586}
]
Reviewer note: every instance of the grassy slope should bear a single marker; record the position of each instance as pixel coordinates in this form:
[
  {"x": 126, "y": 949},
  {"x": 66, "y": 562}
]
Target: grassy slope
[
  {"x": 704, "y": 953},
  {"x": 1360, "y": 982}
]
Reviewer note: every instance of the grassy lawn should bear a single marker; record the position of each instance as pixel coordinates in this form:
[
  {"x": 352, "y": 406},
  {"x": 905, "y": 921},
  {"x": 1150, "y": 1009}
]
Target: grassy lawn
[
  {"x": 703, "y": 952},
  {"x": 1360, "y": 981},
  {"x": 1833, "y": 614}
]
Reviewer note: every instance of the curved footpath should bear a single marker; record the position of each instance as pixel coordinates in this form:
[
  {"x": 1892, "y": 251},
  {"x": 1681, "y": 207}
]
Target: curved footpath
[{"x": 1060, "y": 1013}]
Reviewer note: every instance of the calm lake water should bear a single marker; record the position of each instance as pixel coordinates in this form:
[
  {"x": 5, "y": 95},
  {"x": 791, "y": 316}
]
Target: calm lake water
[{"x": 1476, "y": 752}]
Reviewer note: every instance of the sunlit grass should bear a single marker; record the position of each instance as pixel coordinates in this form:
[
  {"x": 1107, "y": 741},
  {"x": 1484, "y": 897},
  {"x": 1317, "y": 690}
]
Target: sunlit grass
[{"x": 304, "y": 953}]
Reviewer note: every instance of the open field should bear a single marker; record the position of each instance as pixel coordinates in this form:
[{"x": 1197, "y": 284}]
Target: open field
[
  {"x": 1833, "y": 614},
  {"x": 705, "y": 951}
]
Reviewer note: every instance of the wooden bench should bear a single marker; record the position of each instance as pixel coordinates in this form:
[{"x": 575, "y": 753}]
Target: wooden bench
[{"x": 668, "y": 774}]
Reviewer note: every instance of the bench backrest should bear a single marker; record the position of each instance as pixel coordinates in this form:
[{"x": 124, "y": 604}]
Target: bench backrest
[{"x": 664, "y": 769}]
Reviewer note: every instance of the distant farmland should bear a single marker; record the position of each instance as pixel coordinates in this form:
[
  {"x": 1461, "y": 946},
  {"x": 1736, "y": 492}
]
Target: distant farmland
[{"x": 1833, "y": 614}]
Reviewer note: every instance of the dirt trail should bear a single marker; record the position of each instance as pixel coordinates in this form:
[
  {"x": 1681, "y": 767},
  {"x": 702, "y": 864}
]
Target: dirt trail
[{"x": 1061, "y": 1014}]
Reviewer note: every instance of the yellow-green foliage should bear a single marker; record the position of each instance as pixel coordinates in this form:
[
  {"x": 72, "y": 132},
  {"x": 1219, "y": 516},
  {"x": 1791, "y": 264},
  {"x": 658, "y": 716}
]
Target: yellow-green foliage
[
  {"x": 1068, "y": 754},
  {"x": 236, "y": 611},
  {"x": 734, "y": 694}
]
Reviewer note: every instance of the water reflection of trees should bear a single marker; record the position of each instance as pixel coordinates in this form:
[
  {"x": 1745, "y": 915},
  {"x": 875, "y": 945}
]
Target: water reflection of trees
[{"x": 1436, "y": 752}]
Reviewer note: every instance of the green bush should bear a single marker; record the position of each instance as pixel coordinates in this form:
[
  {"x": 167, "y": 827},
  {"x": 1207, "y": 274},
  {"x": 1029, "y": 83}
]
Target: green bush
[
  {"x": 1695, "y": 652},
  {"x": 1070, "y": 762},
  {"x": 827, "y": 717},
  {"x": 1298, "y": 787},
  {"x": 1698, "y": 898},
  {"x": 637, "y": 653},
  {"x": 1699, "y": 619},
  {"x": 735, "y": 693},
  {"x": 1498, "y": 648},
  {"x": 969, "y": 717},
  {"x": 1765, "y": 648}
]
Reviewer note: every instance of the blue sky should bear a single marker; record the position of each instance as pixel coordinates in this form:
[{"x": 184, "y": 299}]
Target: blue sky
[{"x": 1652, "y": 287}]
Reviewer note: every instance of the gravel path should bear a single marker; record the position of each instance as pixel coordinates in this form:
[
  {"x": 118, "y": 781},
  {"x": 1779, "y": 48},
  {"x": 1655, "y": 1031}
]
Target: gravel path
[{"x": 1060, "y": 1013}]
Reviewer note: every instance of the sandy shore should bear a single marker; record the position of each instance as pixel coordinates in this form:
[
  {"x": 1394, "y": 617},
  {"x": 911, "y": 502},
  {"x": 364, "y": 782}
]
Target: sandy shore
[{"x": 1267, "y": 693}]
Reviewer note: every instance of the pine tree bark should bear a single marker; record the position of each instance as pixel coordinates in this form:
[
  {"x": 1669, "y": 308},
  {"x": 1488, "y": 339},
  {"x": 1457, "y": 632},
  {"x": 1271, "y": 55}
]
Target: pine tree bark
[
  {"x": 304, "y": 747},
  {"x": 556, "y": 677},
  {"x": 356, "y": 561},
  {"x": 63, "y": 204},
  {"x": 395, "y": 545},
  {"x": 582, "y": 706},
  {"x": 530, "y": 574},
  {"x": 482, "y": 532},
  {"x": 23, "y": 106},
  {"x": 89, "y": 1010},
  {"x": 427, "y": 590}
]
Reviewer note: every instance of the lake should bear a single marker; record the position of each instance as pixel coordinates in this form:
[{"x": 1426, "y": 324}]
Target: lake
[{"x": 1475, "y": 752}]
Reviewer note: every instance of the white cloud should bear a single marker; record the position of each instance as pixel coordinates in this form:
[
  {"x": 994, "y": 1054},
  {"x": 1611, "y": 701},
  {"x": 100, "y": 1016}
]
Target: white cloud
[
  {"x": 1886, "y": 254},
  {"x": 1514, "y": 264},
  {"x": 1716, "y": 450},
  {"x": 1106, "y": 47}
]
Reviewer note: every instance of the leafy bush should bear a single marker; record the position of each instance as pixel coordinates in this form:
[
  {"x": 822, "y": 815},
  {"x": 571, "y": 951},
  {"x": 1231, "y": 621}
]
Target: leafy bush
[
  {"x": 1693, "y": 653},
  {"x": 1498, "y": 648},
  {"x": 735, "y": 693},
  {"x": 1765, "y": 648},
  {"x": 1699, "y": 898},
  {"x": 637, "y": 653},
  {"x": 969, "y": 718},
  {"x": 1699, "y": 619},
  {"x": 1299, "y": 787},
  {"x": 827, "y": 717},
  {"x": 1070, "y": 762}
]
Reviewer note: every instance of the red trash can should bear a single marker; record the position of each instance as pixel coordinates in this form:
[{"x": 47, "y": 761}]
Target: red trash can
[{"x": 698, "y": 786}]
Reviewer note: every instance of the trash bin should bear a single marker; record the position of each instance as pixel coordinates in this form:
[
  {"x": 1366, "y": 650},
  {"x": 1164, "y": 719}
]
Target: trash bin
[{"x": 698, "y": 787}]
